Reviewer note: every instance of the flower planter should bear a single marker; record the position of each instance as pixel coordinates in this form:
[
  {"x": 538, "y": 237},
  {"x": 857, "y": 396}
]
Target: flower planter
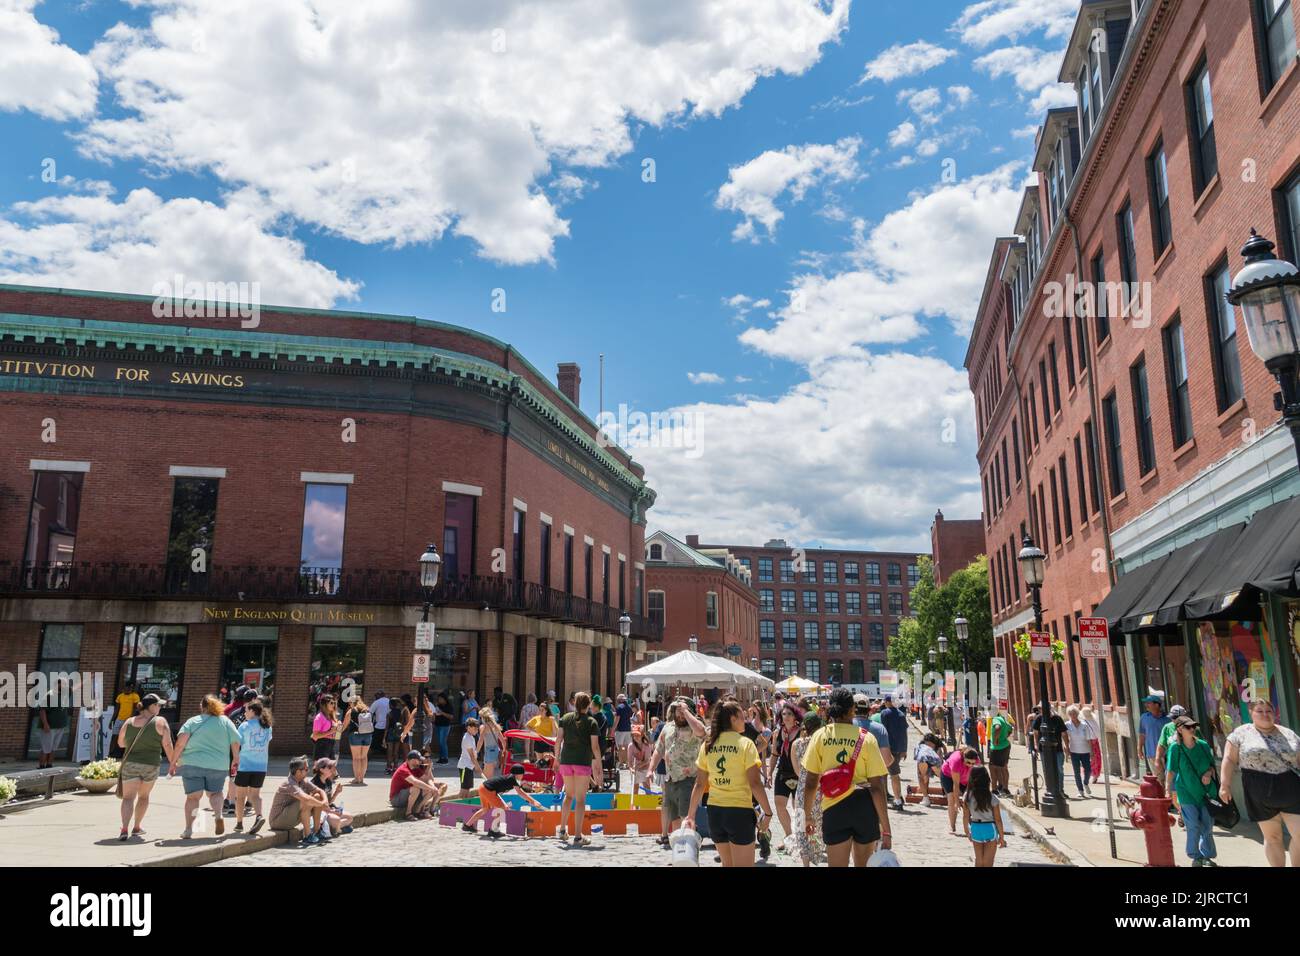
[{"x": 97, "y": 786}]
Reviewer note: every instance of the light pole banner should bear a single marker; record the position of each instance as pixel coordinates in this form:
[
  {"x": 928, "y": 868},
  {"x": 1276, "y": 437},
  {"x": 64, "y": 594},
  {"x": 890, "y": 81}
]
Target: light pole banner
[
  {"x": 888, "y": 682},
  {"x": 998, "y": 681}
]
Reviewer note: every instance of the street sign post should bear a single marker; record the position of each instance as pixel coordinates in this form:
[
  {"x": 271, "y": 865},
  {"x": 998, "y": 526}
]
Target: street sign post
[
  {"x": 998, "y": 682},
  {"x": 1040, "y": 647},
  {"x": 424, "y": 636},
  {"x": 1094, "y": 646},
  {"x": 420, "y": 669}
]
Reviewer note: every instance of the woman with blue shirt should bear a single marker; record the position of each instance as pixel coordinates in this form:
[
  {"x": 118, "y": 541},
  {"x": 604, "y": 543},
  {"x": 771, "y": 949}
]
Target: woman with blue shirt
[{"x": 254, "y": 745}]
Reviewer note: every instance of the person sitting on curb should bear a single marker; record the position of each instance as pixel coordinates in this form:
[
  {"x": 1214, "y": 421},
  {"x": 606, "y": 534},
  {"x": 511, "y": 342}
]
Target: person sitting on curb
[
  {"x": 410, "y": 792},
  {"x": 326, "y": 779},
  {"x": 489, "y": 795},
  {"x": 299, "y": 802}
]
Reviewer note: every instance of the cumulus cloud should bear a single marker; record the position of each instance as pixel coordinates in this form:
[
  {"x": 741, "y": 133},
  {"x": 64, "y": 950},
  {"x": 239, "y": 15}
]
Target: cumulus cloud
[
  {"x": 906, "y": 59},
  {"x": 705, "y": 378},
  {"x": 37, "y": 72},
  {"x": 988, "y": 21},
  {"x": 394, "y": 122},
  {"x": 903, "y": 135},
  {"x": 1034, "y": 71},
  {"x": 93, "y": 242},
  {"x": 752, "y": 188}
]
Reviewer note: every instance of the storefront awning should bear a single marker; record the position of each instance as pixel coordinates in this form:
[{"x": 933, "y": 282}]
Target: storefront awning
[
  {"x": 1128, "y": 591},
  {"x": 1262, "y": 560},
  {"x": 1161, "y": 603}
]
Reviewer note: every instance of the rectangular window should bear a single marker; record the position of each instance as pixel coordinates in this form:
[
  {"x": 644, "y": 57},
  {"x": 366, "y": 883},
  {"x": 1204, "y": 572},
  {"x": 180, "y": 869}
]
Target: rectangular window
[
  {"x": 589, "y": 570},
  {"x": 766, "y": 600},
  {"x": 814, "y": 670},
  {"x": 873, "y": 573},
  {"x": 857, "y": 673},
  {"x": 640, "y": 589},
  {"x": 1200, "y": 105},
  {"x": 852, "y": 602},
  {"x": 810, "y": 572},
  {"x": 1180, "y": 400},
  {"x": 604, "y": 578},
  {"x": 767, "y": 635},
  {"x": 60, "y": 654},
  {"x": 1289, "y": 203},
  {"x": 544, "y": 553},
  {"x": 850, "y": 572},
  {"x": 1042, "y": 515},
  {"x": 787, "y": 570},
  {"x": 877, "y": 637},
  {"x": 1080, "y": 481},
  {"x": 1279, "y": 45},
  {"x": 873, "y": 602},
  {"x": 787, "y": 602},
  {"x": 855, "y": 637},
  {"x": 913, "y": 575},
  {"x": 249, "y": 656},
  {"x": 1158, "y": 179},
  {"x": 323, "y": 518},
  {"x": 832, "y": 601},
  {"x": 458, "y": 526},
  {"x": 1015, "y": 446},
  {"x": 830, "y": 572},
  {"x": 832, "y": 635},
  {"x": 895, "y": 576},
  {"x": 789, "y": 635},
  {"x": 153, "y": 658},
  {"x": 1146, "y": 444},
  {"x": 1067, "y": 340},
  {"x": 1128, "y": 270},
  {"x": 769, "y": 668},
  {"x": 1114, "y": 445},
  {"x": 765, "y": 569},
  {"x": 519, "y": 519},
  {"x": 1056, "y": 508},
  {"x": 338, "y": 655},
  {"x": 657, "y": 609},
  {"x": 1081, "y": 333},
  {"x": 1063, "y": 473},
  {"x": 568, "y": 563},
  {"x": 1100, "y": 309},
  {"x": 789, "y": 667},
  {"x": 811, "y": 637},
  {"x": 711, "y": 610},
  {"x": 810, "y": 602},
  {"x": 1223, "y": 338},
  {"x": 1047, "y": 401},
  {"x": 193, "y": 532},
  {"x": 1094, "y": 476},
  {"x": 895, "y": 604},
  {"x": 1085, "y": 104},
  {"x": 622, "y": 581},
  {"x": 1056, "y": 378}
]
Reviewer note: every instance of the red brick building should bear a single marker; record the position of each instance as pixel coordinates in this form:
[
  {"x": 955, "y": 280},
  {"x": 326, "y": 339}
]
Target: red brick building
[
  {"x": 707, "y": 595},
  {"x": 954, "y": 543},
  {"x": 192, "y": 504},
  {"x": 826, "y": 615},
  {"x": 1120, "y": 410}
]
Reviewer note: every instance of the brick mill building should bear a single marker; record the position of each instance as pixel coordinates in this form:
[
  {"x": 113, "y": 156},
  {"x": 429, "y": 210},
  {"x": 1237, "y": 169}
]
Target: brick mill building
[
  {"x": 191, "y": 504},
  {"x": 1123, "y": 420},
  {"x": 706, "y": 594},
  {"x": 826, "y": 615},
  {"x": 954, "y": 543}
]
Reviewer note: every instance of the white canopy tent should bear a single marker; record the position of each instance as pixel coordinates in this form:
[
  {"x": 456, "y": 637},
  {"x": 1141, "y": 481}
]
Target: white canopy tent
[{"x": 698, "y": 670}]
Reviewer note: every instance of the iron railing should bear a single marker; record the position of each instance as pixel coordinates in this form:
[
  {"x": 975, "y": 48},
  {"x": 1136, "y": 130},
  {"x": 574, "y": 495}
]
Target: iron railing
[{"x": 327, "y": 585}]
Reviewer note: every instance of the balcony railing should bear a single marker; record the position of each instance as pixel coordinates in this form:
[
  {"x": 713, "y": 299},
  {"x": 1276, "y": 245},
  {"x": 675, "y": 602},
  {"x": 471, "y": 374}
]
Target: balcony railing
[{"x": 325, "y": 585}]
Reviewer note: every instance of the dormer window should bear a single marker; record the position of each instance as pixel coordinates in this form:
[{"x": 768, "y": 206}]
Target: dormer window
[{"x": 656, "y": 552}]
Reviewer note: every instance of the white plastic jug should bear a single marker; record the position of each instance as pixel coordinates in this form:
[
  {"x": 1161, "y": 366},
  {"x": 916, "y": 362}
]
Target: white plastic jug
[
  {"x": 685, "y": 844},
  {"x": 633, "y": 830},
  {"x": 598, "y": 834}
]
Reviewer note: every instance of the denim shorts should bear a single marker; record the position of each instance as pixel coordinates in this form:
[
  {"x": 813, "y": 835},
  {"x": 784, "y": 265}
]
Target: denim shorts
[
  {"x": 203, "y": 779},
  {"x": 362, "y": 740}
]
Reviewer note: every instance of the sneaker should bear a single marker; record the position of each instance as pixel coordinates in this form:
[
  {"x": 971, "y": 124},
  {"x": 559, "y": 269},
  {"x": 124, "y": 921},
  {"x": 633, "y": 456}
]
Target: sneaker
[
  {"x": 1088, "y": 790},
  {"x": 1208, "y": 863},
  {"x": 467, "y": 828},
  {"x": 1198, "y": 862},
  {"x": 346, "y": 829},
  {"x": 239, "y": 827},
  {"x": 257, "y": 825},
  {"x": 310, "y": 840},
  {"x": 187, "y": 834},
  {"x": 121, "y": 836},
  {"x": 320, "y": 835},
  {"x": 925, "y": 802},
  {"x": 495, "y": 835}
]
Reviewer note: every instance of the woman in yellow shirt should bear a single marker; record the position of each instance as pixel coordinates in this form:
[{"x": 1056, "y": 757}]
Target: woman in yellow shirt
[{"x": 731, "y": 774}]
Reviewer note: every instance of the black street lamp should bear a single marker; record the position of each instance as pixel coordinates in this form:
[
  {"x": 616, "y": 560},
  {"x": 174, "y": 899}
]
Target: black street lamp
[
  {"x": 624, "y": 631},
  {"x": 1268, "y": 291},
  {"x": 1032, "y": 567},
  {"x": 948, "y": 701},
  {"x": 430, "y": 568},
  {"x": 963, "y": 636}
]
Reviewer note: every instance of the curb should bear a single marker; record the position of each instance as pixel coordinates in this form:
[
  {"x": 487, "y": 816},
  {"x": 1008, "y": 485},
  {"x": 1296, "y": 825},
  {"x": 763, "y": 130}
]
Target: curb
[
  {"x": 1055, "y": 847},
  {"x": 228, "y": 849}
]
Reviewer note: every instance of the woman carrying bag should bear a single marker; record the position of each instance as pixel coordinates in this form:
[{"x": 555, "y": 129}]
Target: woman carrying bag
[
  {"x": 1189, "y": 774},
  {"x": 143, "y": 739}
]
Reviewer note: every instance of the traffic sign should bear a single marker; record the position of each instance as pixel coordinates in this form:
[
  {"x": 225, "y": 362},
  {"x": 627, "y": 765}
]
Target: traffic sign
[
  {"x": 424, "y": 635},
  {"x": 420, "y": 669},
  {"x": 1093, "y": 640},
  {"x": 1040, "y": 647}
]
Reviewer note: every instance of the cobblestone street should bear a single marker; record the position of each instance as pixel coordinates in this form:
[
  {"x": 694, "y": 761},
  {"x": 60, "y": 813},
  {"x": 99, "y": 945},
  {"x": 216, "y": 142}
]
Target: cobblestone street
[{"x": 921, "y": 838}]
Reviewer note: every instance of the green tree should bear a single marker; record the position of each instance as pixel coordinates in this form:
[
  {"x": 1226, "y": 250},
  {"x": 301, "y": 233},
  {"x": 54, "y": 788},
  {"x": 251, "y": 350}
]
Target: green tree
[{"x": 964, "y": 594}]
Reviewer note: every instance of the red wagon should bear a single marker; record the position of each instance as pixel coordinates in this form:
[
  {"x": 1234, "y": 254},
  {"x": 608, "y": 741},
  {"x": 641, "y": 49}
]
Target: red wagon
[{"x": 541, "y": 769}]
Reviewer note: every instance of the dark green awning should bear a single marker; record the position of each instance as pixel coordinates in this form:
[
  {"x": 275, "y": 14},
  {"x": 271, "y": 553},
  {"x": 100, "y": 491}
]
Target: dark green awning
[
  {"x": 1128, "y": 590},
  {"x": 1262, "y": 560},
  {"x": 1161, "y": 604}
]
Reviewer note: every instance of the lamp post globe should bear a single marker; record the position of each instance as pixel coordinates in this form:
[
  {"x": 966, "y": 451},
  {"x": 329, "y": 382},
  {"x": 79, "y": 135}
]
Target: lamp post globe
[
  {"x": 430, "y": 568},
  {"x": 624, "y": 631},
  {"x": 963, "y": 628},
  {"x": 1268, "y": 291},
  {"x": 1033, "y": 562}
]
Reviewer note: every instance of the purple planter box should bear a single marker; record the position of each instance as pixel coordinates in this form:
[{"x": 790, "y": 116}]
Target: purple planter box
[{"x": 455, "y": 812}]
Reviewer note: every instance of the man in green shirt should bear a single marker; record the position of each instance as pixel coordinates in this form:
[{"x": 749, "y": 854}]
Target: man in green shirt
[
  {"x": 1189, "y": 775},
  {"x": 1168, "y": 734},
  {"x": 1000, "y": 752}
]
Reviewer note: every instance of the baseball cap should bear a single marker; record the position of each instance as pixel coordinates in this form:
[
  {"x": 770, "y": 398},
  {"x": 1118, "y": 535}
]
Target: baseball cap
[
  {"x": 1177, "y": 711},
  {"x": 621, "y": 698},
  {"x": 595, "y": 699},
  {"x": 861, "y": 700},
  {"x": 413, "y": 754},
  {"x": 1186, "y": 721}
]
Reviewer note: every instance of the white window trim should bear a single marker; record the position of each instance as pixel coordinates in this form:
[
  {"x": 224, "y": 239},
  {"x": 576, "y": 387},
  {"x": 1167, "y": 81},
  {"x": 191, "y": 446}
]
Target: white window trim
[
  {"x": 456, "y": 487},
  {"x": 326, "y": 478},
  {"x": 44, "y": 464},
  {"x": 545, "y": 518},
  {"x": 622, "y": 556},
  {"x": 568, "y": 529},
  {"x": 605, "y": 549},
  {"x": 185, "y": 471},
  {"x": 638, "y": 565},
  {"x": 521, "y": 505},
  {"x": 588, "y": 540},
  {"x": 717, "y": 610}
]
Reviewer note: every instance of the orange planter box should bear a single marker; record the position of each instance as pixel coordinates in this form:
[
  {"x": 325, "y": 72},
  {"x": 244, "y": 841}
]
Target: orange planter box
[{"x": 542, "y": 823}]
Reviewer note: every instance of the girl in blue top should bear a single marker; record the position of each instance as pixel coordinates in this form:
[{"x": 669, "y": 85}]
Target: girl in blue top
[
  {"x": 254, "y": 745},
  {"x": 490, "y": 742}
]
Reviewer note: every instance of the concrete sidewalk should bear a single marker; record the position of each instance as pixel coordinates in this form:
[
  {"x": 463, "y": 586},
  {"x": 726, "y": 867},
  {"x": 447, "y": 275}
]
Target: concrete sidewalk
[
  {"x": 1085, "y": 837},
  {"x": 80, "y": 829}
]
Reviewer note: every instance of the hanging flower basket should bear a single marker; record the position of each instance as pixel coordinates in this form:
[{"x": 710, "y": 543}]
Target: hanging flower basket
[{"x": 1024, "y": 650}]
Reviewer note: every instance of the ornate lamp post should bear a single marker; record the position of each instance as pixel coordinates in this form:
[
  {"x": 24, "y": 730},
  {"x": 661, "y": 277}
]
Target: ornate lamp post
[
  {"x": 625, "y": 632},
  {"x": 948, "y": 703},
  {"x": 963, "y": 637},
  {"x": 1268, "y": 291},
  {"x": 1032, "y": 566},
  {"x": 430, "y": 568}
]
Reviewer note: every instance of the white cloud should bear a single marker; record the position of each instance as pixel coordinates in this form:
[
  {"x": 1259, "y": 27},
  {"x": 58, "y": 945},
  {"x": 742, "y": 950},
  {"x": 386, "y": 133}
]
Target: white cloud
[
  {"x": 927, "y": 147},
  {"x": 1025, "y": 132},
  {"x": 986, "y": 22},
  {"x": 1034, "y": 71},
  {"x": 752, "y": 188},
  {"x": 924, "y": 103},
  {"x": 741, "y": 305},
  {"x": 93, "y": 242},
  {"x": 906, "y": 59},
  {"x": 904, "y": 135},
  {"x": 705, "y": 378},
  {"x": 962, "y": 95},
  {"x": 389, "y": 121},
  {"x": 39, "y": 73}
]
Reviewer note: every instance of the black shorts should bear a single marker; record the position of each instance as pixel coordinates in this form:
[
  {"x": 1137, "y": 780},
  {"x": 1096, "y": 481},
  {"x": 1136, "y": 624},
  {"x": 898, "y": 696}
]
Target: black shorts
[
  {"x": 250, "y": 778},
  {"x": 467, "y": 779},
  {"x": 780, "y": 789},
  {"x": 1268, "y": 794},
  {"x": 999, "y": 758},
  {"x": 946, "y": 781},
  {"x": 853, "y": 818},
  {"x": 734, "y": 825}
]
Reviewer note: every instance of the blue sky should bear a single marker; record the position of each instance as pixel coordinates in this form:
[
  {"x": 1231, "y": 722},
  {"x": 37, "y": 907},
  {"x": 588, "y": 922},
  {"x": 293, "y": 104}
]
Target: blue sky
[{"x": 841, "y": 417}]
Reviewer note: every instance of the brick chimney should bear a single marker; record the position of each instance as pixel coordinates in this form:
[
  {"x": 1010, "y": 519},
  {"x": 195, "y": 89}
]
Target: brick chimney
[
  {"x": 569, "y": 377},
  {"x": 692, "y": 540}
]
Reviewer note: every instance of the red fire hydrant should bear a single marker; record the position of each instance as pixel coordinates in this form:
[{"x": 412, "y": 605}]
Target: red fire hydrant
[{"x": 1150, "y": 814}]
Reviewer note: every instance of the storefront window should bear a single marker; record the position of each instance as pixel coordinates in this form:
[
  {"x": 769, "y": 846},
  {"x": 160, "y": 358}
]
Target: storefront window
[
  {"x": 249, "y": 657},
  {"x": 1236, "y": 664},
  {"x": 1166, "y": 671},
  {"x": 153, "y": 655},
  {"x": 60, "y": 654},
  {"x": 450, "y": 666},
  {"x": 338, "y": 664}
]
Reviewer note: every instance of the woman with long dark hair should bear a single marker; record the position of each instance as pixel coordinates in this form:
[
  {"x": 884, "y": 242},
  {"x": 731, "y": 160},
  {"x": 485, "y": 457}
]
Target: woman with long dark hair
[
  {"x": 781, "y": 768},
  {"x": 326, "y": 728},
  {"x": 398, "y": 719},
  {"x": 442, "y": 719},
  {"x": 254, "y": 748},
  {"x": 730, "y": 764},
  {"x": 981, "y": 817}
]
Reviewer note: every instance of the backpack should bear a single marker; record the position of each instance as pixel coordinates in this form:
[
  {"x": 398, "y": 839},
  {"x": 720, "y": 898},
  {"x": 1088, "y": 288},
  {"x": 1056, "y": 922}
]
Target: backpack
[{"x": 365, "y": 722}]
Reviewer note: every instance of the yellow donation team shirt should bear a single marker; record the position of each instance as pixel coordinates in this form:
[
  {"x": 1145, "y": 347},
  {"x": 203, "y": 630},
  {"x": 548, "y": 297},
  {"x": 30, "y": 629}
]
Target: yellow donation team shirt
[
  {"x": 833, "y": 745},
  {"x": 727, "y": 765}
]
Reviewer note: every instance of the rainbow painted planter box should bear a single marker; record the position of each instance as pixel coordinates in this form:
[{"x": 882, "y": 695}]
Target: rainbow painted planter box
[{"x": 520, "y": 819}]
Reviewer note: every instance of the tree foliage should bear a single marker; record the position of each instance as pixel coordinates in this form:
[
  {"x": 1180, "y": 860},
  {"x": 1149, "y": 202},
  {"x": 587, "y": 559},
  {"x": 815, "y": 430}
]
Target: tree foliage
[{"x": 964, "y": 594}]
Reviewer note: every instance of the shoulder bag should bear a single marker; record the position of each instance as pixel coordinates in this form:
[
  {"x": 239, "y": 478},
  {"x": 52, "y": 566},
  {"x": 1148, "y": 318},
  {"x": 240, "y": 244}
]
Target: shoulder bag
[
  {"x": 839, "y": 781},
  {"x": 125, "y": 756}
]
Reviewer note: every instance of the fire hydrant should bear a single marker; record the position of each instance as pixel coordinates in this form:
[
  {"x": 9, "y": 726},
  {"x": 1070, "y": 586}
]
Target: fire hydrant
[{"x": 1149, "y": 812}]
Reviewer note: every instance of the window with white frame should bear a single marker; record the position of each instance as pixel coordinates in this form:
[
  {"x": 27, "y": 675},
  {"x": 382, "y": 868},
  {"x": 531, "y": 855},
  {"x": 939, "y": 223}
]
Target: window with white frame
[{"x": 711, "y": 610}]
